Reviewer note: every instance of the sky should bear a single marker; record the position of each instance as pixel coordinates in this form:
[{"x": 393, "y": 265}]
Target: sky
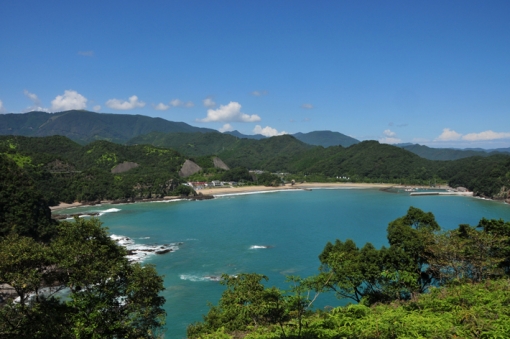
[{"x": 435, "y": 73}]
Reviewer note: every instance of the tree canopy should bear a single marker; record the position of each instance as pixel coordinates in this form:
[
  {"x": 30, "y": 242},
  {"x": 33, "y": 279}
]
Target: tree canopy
[{"x": 69, "y": 280}]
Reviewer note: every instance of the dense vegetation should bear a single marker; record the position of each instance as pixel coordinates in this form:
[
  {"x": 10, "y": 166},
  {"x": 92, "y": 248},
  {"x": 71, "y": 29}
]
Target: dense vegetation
[
  {"x": 66, "y": 171},
  {"x": 70, "y": 279},
  {"x": 428, "y": 283},
  {"x": 450, "y": 153},
  {"x": 85, "y": 126}
]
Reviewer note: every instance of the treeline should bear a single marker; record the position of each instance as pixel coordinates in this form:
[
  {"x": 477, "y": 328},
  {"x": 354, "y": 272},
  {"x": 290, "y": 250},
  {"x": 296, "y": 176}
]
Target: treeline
[
  {"x": 428, "y": 283},
  {"x": 67, "y": 171},
  {"x": 67, "y": 279},
  {"x": 366, "y": 161}
]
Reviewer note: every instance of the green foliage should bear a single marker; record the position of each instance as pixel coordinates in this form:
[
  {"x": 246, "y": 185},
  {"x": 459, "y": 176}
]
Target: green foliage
[
  {"x": 84, "y": 127},
  {"x": 268, "y": 179},
  {"x": 245, "y": 302},
  {"x": 238, "y": 174},
  {"x": 23, "y": 209},
  {"x": 184, "y": 190},
  {"x": 191, "y": 144},
  {"x": 372, "y": 275},
  {"x": 107, "y": 296},
  {"x": 66, "y": 171}
]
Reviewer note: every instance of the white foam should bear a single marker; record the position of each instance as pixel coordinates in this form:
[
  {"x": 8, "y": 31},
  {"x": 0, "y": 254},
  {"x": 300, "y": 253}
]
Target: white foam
[
  {"x": 256, "y": 192},
  {"x": 110, "y": 210},
  {"x": 254, "y": 247},
  {"x": 139, "y": 252},
  {"x": 196, "y": 278}
]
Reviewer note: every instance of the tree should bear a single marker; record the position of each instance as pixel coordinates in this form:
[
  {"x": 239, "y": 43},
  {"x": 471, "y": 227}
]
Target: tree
[
  {"x": 106, "y": 295},
  {"x": 23, "y": 210},
  {"x": 466, "y": 254},
  {"x": 372, "y": 275},
  {"x": 245, "y": 302}
]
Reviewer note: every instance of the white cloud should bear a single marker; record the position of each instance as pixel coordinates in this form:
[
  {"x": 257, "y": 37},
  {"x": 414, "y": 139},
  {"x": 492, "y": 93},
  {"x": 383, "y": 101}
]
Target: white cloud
[
  {"x": 448, "y": 135},
  {"x": 259, "y": 93},
  {"x": 86, "y": 53},
  {"x": 179, "y": 103},
  {"x": 229, "y": 113},
  {"x": 36, "y": 103},
  {"x": 35, "y": 100},
  {"x": 267, "y": 131},
  {"x": 209, "y": 103},
  {"x": 390, "y": 137},
  {"x": 226, "y": 128},
  {"x": 389, "y": 133},
  {"x": 486, "y": 135},
  {"x": 2, "y": 108},
  {"x": 161, "y": 107},
  {"x": 307, "y": 106},
  {"x": 125, "y": 105},
  {"x": 97, "y": 108},
  {"x": 69, "y": 100}
]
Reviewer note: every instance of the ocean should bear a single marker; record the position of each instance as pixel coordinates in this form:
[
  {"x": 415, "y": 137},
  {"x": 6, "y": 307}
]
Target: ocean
[{"x": 276, "y": 234}]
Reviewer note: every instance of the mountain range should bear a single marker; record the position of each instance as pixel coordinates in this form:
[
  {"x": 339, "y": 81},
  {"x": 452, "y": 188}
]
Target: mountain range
[{"x": 85, "y": 127}]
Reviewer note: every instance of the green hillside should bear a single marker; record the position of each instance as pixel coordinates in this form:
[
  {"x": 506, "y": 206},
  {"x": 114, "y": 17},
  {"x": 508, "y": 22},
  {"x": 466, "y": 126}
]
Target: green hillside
[
  {"x": 325, "y": 138},
  {"x": 85, "y": 126},
  {"x": 68, "y": 171},
  {"x": 190, "y": 144},
  {"x": 443, "y": 153}
]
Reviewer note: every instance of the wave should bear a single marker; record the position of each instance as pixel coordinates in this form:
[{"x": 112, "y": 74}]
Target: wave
[
  {"x": 196, "y": 278},
  {"x": 256, "y": 192},
  {"x": 110, "y": 210},
  {"x": 256, "y": 247},
  {"x": 140, "y": 252}
]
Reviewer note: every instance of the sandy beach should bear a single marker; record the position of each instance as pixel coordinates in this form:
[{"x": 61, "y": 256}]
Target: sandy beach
[
  {"x": 217, "y": 191},
  {"x": 303, "y": 186}
]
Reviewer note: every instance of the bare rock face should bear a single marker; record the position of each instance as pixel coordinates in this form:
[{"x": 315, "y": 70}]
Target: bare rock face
[
  {"x": 189, "y": 168},
  {"x": 218, "y": 163},
  {"x": 504, "y": 194},
  {"x": 124, "y": 167}
]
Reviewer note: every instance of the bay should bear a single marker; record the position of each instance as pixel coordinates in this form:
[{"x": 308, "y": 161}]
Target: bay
[{"x": 275, "y": 234}]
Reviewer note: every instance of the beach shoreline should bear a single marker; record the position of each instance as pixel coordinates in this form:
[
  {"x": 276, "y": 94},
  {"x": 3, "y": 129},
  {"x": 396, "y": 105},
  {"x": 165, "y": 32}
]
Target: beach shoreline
[
  {"x": 208, "y": 193},
  {"x": 224, "y": 191}
]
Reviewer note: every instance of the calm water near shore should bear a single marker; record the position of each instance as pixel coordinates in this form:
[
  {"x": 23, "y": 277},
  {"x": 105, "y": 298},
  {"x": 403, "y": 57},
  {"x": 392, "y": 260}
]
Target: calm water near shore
[{"x": 276, "y": 234}]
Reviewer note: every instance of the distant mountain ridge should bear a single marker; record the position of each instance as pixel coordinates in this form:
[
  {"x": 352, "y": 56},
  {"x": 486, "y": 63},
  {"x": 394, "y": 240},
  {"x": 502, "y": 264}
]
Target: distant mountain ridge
[
  {"x": 449, "y": 153},
  {"x": 316, "y": 138},
  {"x": 85, "y": 126}
]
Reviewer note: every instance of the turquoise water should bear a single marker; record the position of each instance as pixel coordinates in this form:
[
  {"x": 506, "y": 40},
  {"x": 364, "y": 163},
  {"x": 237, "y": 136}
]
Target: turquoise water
[{"x": 228, "y": 235}]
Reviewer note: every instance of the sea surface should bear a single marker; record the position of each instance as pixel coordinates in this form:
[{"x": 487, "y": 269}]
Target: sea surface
[{"x": 276, "y": 234}]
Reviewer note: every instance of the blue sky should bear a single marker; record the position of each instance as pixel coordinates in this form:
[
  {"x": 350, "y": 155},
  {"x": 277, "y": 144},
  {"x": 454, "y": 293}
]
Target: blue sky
[{"x": 430, "y": 72}]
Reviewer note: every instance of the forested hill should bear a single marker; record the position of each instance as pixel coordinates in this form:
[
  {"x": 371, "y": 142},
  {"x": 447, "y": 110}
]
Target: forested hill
[
  {"x": 69, "y": 171},
  {"x": 268, "y": 153},
  {"x": 85, "y": 126},
  {"x": 325, "y": 138},
  {"x": 450, "y": 153},
  {"x": 316, "y": 138},
  {"x": 66, "y": 171}
]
